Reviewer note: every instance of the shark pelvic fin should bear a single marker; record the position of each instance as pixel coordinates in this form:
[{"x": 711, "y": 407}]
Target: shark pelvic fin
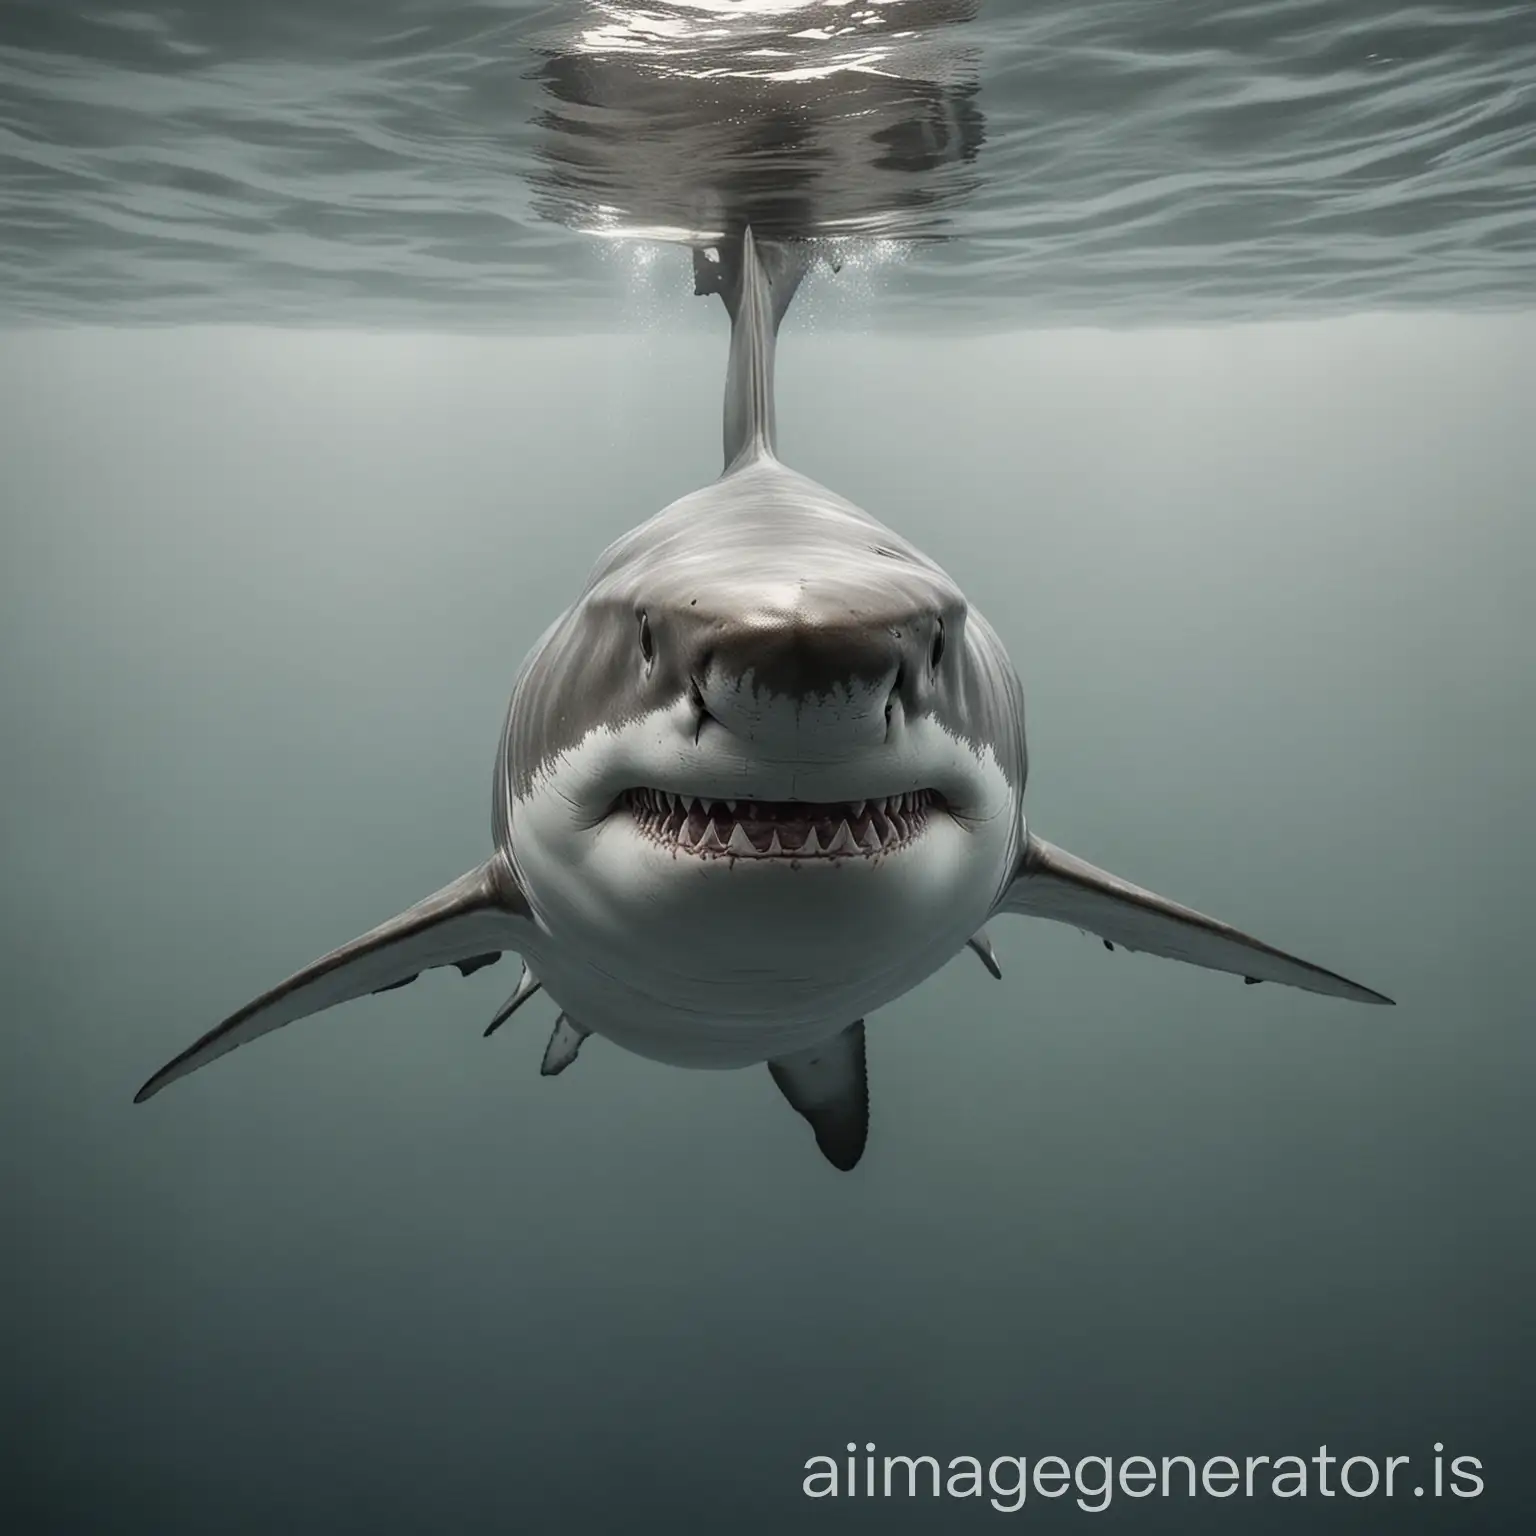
[
  {"x": 467, "y": 924},
  {"x": 563, "y": 1046},
  {"x": 829, "y": 1086},
  {"x": 1054, "y": 884},
  {"x": 527, "y": 985},
  {"x": 756, "y": 279},
  {"x": 980, "y": 944}
]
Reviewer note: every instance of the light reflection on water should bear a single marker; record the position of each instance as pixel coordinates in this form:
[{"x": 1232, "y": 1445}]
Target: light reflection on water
[{"x": 433, "y": 165}]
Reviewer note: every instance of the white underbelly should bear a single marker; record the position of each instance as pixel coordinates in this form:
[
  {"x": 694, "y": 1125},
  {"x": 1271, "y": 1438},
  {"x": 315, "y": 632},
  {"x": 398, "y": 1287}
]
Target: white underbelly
[{"x": 737, "y": 1019}]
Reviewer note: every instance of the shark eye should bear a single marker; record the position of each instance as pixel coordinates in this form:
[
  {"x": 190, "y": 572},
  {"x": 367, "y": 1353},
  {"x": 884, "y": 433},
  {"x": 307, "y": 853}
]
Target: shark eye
[
  {"x": 647, "y": 644},
  {"x": 938, "y": 644}
]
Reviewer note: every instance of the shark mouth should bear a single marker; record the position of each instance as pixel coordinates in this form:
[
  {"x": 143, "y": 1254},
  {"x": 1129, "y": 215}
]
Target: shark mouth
[{"x": 782, "y": 829}]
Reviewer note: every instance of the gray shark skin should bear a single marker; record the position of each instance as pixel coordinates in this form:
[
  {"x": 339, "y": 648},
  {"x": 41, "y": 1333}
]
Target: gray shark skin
[{"x": 763, "y": 777}]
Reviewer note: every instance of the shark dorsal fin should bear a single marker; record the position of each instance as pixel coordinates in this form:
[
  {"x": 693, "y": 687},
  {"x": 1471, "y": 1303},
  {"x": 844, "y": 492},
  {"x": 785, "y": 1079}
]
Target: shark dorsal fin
[{"x": 756, "y": 279}]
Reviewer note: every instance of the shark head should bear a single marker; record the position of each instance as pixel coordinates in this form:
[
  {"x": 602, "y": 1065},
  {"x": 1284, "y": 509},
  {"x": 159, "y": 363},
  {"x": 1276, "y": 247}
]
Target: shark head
[{"x": 769, "y": 762}]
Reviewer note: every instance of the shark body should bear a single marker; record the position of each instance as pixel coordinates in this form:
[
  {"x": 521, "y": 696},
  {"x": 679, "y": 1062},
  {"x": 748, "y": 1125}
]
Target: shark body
[{"x": 763, "y": 777}]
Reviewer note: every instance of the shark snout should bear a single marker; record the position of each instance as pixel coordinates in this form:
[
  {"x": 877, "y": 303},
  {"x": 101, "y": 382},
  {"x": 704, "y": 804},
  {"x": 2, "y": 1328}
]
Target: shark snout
[{"x": 823, "y": 680}]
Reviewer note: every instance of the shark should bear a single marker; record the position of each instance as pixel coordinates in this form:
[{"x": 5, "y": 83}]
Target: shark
[{"x": 762, "y": 778}]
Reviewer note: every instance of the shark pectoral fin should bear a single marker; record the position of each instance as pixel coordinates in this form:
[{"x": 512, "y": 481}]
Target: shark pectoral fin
[
  {"x": 829, "y": 1086},
  {"x": 527, "y": 985},
  {"x": 980, "y": 944},
  {"x": 563, "y": 1046},
  {"x": 466, "y": 924},
  {"x": 465, "y": 967},
  {"x": 1054, "y": 884}
]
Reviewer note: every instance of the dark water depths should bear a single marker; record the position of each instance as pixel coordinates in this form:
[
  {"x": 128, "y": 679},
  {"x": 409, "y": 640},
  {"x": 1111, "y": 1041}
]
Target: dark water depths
[{"x": 399, "y": 163}]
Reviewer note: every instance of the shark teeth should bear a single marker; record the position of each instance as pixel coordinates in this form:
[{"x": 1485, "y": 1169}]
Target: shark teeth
[{"x": 735, "y": 828}]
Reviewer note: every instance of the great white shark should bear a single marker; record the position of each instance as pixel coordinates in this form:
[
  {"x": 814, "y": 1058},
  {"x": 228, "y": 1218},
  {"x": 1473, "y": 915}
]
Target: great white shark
[{"x": 764, "y": 776}]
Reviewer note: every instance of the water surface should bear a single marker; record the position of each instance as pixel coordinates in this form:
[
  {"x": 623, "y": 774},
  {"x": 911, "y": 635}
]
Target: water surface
[{"x": 396, "y": 163}]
